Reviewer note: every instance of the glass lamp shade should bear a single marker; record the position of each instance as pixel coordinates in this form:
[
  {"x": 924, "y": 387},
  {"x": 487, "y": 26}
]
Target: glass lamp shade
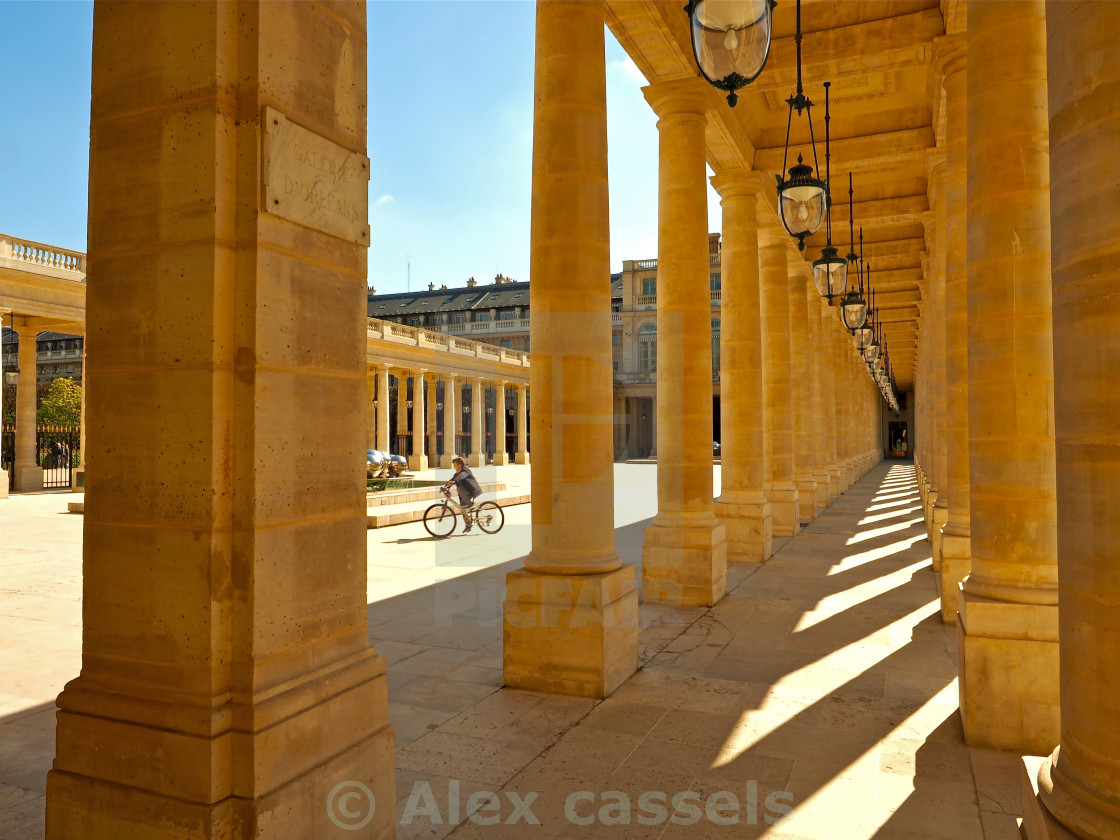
[
  {"x": 11, "y": 377},
  {"x": 871, "y": 352},
  {"x": 802, "y": 202},
  {"x": 830, "y": 273},
  {"x": 853, "y": 311},
  {"x": 731, "y": 41},
  {"x": 862, "y": 337}
]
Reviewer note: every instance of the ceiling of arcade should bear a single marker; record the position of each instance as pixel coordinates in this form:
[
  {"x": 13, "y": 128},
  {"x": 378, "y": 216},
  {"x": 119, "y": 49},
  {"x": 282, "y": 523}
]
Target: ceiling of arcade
[{"x": 885, "y": 102}]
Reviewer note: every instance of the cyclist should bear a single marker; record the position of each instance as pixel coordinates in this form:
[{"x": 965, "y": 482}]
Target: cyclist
[{"x": 468, "y": 488}]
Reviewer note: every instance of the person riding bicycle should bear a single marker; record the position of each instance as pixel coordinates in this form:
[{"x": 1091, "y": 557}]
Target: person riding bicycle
[{"x": 468, "y": 488}]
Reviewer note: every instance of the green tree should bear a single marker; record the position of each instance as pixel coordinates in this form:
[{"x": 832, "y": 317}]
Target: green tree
[{"x": 62, "y": 406}]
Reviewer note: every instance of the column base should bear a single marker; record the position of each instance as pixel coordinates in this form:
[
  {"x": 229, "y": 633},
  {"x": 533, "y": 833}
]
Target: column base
[
  {"x": 1055, "y": 807},
  {"x": 684, "y": 564},
  {"x": 822, "y": 500},
  {"x": 27, "y": 478},
  {"x": 784, "y": 505},
  {"x": 849, "y": 474},
  {"x": 570, "y": 634},
  {"x": 845, "y": 479},
  {"x": 445, "y": 461},
  {"x": 956, "y": 563},
  {"x": 749, "y": 527},
  {"x": 521, "y": 458},
  {"x": 1008, "y": 667},
  {"x": 78, "y": 481},
  {"x": 3, "y": 484},
  {"x": 939, "y": 515},
  {"x": 182, "y": 773},
  {"x": 1038, "y": 823},
  {"x": 833, "y": 484},
  {"x": 417, "y": 462},
  {"x": 476, "y": 459},
  {"x": 806, "y": 499},
  {"x": 501, "y": 459}
]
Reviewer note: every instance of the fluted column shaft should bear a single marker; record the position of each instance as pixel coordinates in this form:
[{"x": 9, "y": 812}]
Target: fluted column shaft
[
  {"x": 573, "y": 569},
  {"x": 27, "y": 473},
  {"x": 450, "y": 420},
  {"x": 431, "y": 399},
  {"x": 742, "y": 504},
  {"x": 418, "y": 460},
  {"x": 939, "y": 486},
  {"x": 522, "y": 436},
  {"x": 371, "y": 408},
  {"x": 4, "y": 473},
  {"x": 383, "y": 408},
  {"x": 1080, "y": 783},
  {"x": 478, "y": 428},
  {"x": 402, "y": 405},
  {"x": 501, "y": 454},
  {"x": 1008, "y": 614}
]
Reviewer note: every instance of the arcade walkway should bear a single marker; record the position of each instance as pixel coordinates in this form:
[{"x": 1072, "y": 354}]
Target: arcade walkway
[{"x": 824, "y": 680}]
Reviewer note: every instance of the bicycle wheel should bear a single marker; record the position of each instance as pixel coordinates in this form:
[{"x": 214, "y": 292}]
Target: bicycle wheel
[
  {"x": 489, "y": 517},
  {"x": 439, "y": 521}
]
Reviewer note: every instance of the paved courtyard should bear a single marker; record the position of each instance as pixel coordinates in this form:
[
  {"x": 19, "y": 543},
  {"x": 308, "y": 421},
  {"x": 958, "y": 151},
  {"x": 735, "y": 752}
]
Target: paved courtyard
[{"x": 820, "y": 691}]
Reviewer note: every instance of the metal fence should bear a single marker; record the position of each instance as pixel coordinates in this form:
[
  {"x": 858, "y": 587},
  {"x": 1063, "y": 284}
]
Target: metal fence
[{"x": 57, "y": 449}]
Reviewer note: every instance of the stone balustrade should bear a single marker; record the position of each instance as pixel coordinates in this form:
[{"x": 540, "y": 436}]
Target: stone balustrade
[{"x": 37, "y": 253}]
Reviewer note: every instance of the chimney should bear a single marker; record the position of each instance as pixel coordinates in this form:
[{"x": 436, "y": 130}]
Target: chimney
[
  {"x": 431, "y": 287},
  {"x": 471, "y": 283}
]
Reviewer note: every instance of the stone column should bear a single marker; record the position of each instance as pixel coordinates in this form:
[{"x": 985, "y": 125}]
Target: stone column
[
  {"x": 827, "y": 364},
  {"x": 451, "y": 413},
  {"x": 1079, "y": 784},
  {"x": 478, "y": 425},
  {"x": 956, "y": 552},
  {"x": 684, "y": 557},
  {"x": 27, "y": 473},
  {"x": 79, "y": 480},
  {"x": 742, "y": 504},
  {"x": 939, "y": 484},
  {"x": 402, "y": 405},
  {"x": 927, "y": 396},
  {"x": 1008, "y": 622},
  {"x": 501, "y": 454},
  {"x": 841, "y": 360},
  {"x": 227, "y": 684},
  {"x": 522, "y": 429},
  {"x": 817, "y": 398},
  {"x": 802, "y": 397},
  {"x": 418, "y": 460},
  {"x": 431, "y": 399},
  {"x": 371, "y": 407},
  {"x": 777, "y": 388},
  {"x": 4, "y": 473},
  {"x": 383, "y": 408},
  {"x": 571, "y": 615}
]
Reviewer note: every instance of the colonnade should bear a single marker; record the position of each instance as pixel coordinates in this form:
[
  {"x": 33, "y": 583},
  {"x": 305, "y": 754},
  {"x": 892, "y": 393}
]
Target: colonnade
[
  {"x": 427, "y": 395},
  {"x": 1017, "y": 398},
  {"x": 800, "y": 415}
]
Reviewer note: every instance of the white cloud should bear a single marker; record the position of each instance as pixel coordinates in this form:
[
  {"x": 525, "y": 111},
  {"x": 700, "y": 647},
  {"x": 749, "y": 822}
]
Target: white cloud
[
  {"x": 628, "y": 68},
  {"x": 385, "y": 199}
]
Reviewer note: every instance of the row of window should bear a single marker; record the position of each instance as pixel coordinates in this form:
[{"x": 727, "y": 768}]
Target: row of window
[{"x": 649, "y": 285}]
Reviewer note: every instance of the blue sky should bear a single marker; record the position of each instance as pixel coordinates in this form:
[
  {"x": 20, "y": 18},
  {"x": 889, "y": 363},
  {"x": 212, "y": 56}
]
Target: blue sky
[{"x": 450, "y": 137}]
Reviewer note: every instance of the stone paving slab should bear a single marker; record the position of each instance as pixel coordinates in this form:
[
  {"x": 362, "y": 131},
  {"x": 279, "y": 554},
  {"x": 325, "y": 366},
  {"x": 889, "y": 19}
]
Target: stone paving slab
[{"x": 823, "y": 683}]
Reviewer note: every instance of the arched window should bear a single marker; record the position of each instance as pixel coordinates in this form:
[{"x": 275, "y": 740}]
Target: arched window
[
  {"x": 647, "y": 347},
  {"x": 715, "y": 344}
]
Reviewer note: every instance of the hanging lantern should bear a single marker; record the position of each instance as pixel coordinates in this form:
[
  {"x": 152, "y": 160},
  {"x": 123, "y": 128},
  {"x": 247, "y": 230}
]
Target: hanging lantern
[
  {"x": 730, "y": 41},
  {"x": 853, "y": 308},
  {"x": 830, "y": 272},
  {"x": 802, "y": 197}
]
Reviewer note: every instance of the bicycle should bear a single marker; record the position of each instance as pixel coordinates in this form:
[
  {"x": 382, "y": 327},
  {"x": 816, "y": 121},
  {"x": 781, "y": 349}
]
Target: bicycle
[{"x": 440, "y": 519}]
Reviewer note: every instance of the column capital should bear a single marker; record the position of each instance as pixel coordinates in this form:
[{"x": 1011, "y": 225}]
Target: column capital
[
  {"x": 936, "y": 163},
  {"x": 741, "y": 183},
  {"x": 770, "y": 237},
  {"x": 679, "y": 97},
  {"x": 950, "y": 56}
]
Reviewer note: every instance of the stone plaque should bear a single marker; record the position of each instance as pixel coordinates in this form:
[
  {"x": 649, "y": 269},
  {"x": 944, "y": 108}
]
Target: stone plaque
[{"x": 313, "y": 181}]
